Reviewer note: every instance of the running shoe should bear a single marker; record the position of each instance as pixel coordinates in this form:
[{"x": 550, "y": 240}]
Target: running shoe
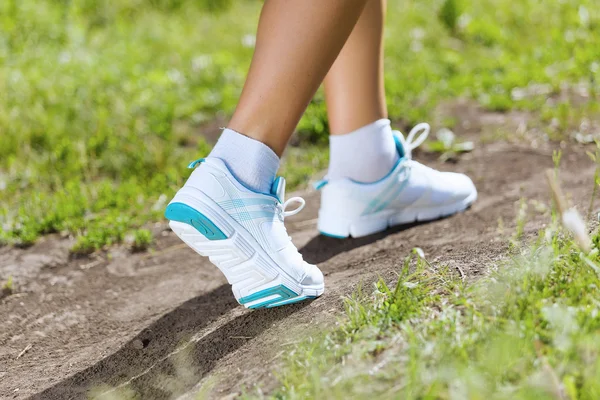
[
  {"x": 243, "y": 234},
  {"x": 411, "y": 192}
]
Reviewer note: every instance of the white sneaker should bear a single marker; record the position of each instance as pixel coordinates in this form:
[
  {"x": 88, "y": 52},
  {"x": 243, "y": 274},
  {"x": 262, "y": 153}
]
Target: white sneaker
[
  {"x": 410, "y": 192},
  {"x": 243, "y": 234}
]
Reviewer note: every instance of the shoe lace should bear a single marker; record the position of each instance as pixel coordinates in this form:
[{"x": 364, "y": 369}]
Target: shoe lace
[
  {"x": 281, "y": 208},
  {"x": 413, "y": 141},
  {"x": 282, "y": 213}
]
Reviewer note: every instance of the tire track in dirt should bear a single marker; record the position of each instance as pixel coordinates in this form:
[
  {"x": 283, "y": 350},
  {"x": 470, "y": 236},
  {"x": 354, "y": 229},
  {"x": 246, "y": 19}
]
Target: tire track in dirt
[{"x": 167, "y": 324}]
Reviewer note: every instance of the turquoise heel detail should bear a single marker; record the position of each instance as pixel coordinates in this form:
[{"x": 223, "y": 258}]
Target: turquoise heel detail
[
  {"x": 291, "y": 301},
  {"x": 183, "y": 213},
  {"x": 286, "y": 296},
  {"x": 331, "y": 235},
  {"x": 193, "y": 164}
]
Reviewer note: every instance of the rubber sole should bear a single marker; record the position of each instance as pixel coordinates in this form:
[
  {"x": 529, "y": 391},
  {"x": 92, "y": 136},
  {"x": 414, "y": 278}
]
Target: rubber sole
[
  {"x": 375, "y": 223},
  {"x": 256, "y": 280}
]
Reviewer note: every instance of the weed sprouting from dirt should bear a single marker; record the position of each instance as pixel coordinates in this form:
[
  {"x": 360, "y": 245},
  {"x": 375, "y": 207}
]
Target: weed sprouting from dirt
[
  {"x": 7, "y": 288},
  {"x": 521, "y": 220},
  {"x": 142, "y": 238},
  {"x": 448, "y": 146}
]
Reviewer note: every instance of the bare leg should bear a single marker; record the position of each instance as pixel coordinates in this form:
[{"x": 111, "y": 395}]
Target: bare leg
[
  {"x": 234, "y": 194},
  {"x": 296, "y": 44},
  {"x": 361, "y": 145},
  {"x": 354, "y": 86}
]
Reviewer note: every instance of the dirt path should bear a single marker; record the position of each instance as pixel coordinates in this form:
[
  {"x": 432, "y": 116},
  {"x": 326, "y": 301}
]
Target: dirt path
[{"x": 166, "y": 322}]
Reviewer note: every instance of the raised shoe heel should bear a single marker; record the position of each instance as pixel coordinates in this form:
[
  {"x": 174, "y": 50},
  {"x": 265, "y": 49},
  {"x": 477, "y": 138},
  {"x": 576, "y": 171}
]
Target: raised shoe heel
[
  {"x": 181, "y": 212},
  {"x": 257, "y": 282}
]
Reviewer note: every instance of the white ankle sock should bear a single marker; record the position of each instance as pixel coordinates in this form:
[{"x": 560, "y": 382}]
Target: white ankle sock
[
  {"x": 251, "y": 162},
  {"x": 364, "y": 155}
]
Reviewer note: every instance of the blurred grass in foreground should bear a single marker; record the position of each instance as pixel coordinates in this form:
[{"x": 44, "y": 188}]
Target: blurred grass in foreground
[
  {"x": 101, "y": 101},
  {"x": 529, "y": 330}
]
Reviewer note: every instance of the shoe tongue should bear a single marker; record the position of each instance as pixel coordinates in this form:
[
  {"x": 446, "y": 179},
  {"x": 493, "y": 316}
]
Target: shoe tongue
[{"x": 278, "y": 188}]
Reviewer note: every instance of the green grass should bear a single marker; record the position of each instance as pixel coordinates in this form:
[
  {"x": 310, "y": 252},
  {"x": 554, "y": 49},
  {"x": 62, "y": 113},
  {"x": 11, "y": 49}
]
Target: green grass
[
  {"x": 102, "y": 102},
  {"x": 8, "y": 285},
  {"x": 528, "y": 330},
  {"x": 142, "y": 238},
  {"x": 7, "y": 288}
]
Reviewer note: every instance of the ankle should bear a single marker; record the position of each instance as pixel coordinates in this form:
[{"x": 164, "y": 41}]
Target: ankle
[
  {"x": 364, "y": 155},
  {"x": 251, "y": 162}
]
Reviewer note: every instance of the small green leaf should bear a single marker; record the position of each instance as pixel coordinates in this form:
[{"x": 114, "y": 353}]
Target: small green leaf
[{"x": 591, "y": 155}]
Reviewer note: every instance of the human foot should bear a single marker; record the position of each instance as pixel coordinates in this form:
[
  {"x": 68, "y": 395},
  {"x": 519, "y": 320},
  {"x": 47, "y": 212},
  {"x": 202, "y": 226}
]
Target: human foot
[
  {"x": 243, "y": 234},
  {"x": 410, "y": 192}
]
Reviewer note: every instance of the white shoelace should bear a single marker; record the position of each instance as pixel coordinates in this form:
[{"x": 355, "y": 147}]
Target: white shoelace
[
  {"x": 282, "y": 213},
  {"x": 282, "y": 207},
  {"x": 413, "y": 141}
]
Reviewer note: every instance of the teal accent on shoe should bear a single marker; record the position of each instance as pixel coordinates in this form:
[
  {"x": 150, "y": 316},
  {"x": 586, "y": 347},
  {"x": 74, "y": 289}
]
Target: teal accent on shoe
[
  {"x": 239, "y": 203},
  {"x": 196, "y": 162},
  {"x": 183, "y": 213},
  {"x": 318, "y": 185},
  {"x": 291, "y": 301},
  {"x": 281, "y": 290},
  {"x": 278, "y": 188},
  {"x": 399, "y": 146},
  {"x": 332, "y": 235},
  {"x": 391, "y": 197},
  {"x": 384, "y": 198}
]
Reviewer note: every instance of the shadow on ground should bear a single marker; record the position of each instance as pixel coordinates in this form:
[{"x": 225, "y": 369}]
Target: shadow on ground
[
  {"x": 157, "y": 363},
  {"x": 322, "y": 248}
]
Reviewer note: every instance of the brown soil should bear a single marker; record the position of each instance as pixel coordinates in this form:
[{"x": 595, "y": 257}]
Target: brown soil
[{"x": 165, "y": 322}]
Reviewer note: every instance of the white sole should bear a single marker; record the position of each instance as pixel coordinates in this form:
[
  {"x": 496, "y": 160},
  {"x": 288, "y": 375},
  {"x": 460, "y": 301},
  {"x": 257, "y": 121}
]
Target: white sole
[
  {"x": 257, "y": 281},
  {"x": 379, "y": 222}
]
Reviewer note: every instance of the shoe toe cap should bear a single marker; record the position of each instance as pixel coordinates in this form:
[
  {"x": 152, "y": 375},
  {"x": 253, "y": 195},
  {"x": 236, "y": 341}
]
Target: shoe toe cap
[
  {"x": 313, "y": 277},
  {"x": 452, "y": 187},
  {"x": 463, "y": 187}
]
